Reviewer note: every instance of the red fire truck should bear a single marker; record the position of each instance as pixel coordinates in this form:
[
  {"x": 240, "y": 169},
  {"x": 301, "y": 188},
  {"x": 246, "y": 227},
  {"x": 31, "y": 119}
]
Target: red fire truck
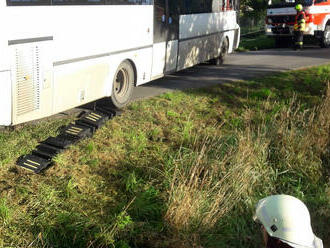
[{"x": 281, "y": 18}]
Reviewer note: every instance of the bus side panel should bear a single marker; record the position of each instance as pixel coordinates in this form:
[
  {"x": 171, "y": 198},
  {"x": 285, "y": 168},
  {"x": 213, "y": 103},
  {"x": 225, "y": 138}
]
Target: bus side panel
[
  {"x": 228, "y": 21},
  {"x": 158, "y": 61},
  {"x": 142, "y": 59},
  {"x": 195, "y": 51},
  {"x": 199, "y": 39},
  {"x": 79, "y": 83},
  {"x": 201, "y": 36},
  {"x": 82, "y": 31},
  {"x": 84, "y": 41},
  {"x": 5, "y": 76},
  {"x": 231, "y": 37},
  {"x": 5, "y": 98},
  {"x": 4, "y": 51},
  {"x": 195, "y": 25},
  {"x": 171, "y": 55}
]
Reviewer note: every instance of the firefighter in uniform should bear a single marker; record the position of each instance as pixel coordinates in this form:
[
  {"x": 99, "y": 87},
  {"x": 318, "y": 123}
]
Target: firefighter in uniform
[{"x": 299, "y": 27}]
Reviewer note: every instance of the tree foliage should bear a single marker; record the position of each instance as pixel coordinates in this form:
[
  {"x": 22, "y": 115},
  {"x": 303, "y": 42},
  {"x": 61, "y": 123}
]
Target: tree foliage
[{"x": 254, "y": 7}]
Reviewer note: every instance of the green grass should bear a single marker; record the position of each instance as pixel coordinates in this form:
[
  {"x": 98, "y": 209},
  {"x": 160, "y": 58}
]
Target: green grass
[
  {"x": 184, "y": 169},
  {"x": 257, "y": 43}
]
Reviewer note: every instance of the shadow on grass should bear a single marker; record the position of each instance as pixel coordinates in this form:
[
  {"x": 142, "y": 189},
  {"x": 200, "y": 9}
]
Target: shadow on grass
[
  {"x": 67, "y": 230},
  {"x": 307, "y": 85}
]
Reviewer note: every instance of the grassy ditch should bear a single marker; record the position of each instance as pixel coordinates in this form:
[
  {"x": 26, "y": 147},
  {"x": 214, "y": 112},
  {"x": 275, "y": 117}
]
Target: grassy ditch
[
  {"x": 256, "y": 43},
  {"x": 181, "y": 170}
]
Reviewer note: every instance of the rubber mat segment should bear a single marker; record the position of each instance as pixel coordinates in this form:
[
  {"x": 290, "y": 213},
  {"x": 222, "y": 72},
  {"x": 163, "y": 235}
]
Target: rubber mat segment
[
  {"x": 85, "y": 124},
  {"x": 46, "y": 151},
  {"x": 61, "y": 141},
  {"x": 106, "y": 110},
  {"x": 78, "y": 131},
  {"x": 33, "y": 163},
  {"x": 94, "y": 119}
]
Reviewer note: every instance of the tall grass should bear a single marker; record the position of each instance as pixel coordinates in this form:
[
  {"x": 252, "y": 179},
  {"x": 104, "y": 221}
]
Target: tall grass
[
  {"x": 211, "y": 179},
  {"x": 301, "y": 137},
  {"x": 213, "y": 175}
]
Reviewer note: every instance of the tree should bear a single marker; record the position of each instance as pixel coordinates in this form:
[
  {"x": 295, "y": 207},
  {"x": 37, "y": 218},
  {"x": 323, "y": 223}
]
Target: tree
[{"x": 254, "y": 7}]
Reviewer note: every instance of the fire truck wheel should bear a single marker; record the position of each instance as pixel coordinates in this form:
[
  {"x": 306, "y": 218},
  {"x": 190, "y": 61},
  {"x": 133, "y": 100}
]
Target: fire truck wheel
[{"x": 325, "y": 42}]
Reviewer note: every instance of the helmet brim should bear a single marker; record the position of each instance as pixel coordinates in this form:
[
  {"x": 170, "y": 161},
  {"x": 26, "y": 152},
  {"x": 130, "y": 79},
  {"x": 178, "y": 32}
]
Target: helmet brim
[{"x": 317, "y": 243}]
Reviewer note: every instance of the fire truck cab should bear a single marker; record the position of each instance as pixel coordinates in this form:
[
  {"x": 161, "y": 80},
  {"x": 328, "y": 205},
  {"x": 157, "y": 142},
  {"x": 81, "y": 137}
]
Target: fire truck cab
[{"x": 281, "y": 18}]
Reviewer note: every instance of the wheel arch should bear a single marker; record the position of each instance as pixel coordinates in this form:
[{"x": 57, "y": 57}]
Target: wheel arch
[
  {"x": 134, "y": 69},
  {"x": 229, "y": 36},
  {"x": 325, "y": 22},
  {"x": 226, "y": 37}
]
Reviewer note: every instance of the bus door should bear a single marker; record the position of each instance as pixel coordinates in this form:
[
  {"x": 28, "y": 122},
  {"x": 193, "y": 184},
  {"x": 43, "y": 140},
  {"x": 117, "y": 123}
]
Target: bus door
[{"x": 166, "y": 33}]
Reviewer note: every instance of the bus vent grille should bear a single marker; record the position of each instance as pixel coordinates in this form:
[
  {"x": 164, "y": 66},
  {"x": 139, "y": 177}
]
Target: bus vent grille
[{"x": 27, "y": 79}]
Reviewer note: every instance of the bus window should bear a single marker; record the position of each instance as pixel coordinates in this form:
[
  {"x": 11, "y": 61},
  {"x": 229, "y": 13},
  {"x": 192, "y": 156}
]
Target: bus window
[
  {"x": 229, "y": 5},
  {"x": 127, "y": 2},
  {"x": 77, "y": 2},
  {"x": 223, "y": 5},
  {"x": 216, "y": 5},
  {"x": 195, "y": 7},
  {"x": 236, "y": 4},
  {"x": 27, "y": 2}
]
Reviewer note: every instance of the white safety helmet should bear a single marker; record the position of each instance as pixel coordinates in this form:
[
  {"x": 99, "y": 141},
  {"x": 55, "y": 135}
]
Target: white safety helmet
[{"x": 287, "y": 218}]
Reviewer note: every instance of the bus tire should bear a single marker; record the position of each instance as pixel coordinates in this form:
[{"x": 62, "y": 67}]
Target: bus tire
[
  {"x": 325, "y": 40},
  {"x": 223, "y": 53},
  {"x": 123, "y": 85}
]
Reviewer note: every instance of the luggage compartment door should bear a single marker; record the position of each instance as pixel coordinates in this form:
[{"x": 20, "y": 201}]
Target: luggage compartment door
[{"x": 32, "y": 79}]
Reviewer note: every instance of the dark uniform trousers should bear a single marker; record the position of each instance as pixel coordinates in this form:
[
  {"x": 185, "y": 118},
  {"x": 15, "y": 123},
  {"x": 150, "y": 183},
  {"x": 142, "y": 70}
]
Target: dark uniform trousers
[
  {"x": 299, "y": 29},
  {"x": 298, "y": 39}
]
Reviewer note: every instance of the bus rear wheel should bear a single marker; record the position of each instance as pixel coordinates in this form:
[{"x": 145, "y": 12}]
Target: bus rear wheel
[
  {"x": 123, "y": 85},
  {"x": 325, "y": 42},
  {"x": 223, "y": 53}
]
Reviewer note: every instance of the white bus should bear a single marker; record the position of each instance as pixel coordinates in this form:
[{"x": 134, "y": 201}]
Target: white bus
[{"x": 59, "y": 54}]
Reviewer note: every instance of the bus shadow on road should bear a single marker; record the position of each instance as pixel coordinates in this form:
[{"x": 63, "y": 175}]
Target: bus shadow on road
[{"x": 239, "y": 67}]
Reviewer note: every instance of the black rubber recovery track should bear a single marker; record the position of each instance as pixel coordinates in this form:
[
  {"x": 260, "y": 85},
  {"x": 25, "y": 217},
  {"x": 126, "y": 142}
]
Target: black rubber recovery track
[
  {"x": 93, "y": 119},
  {"x": 84, "y": 127},
  {"x": 78, "y": 131},
  {"x": 61, "y": 141},
  {"x": 33, "y": 163},
  {"x": 108, "y": 111},
  {"x": 46, "y": 151}
]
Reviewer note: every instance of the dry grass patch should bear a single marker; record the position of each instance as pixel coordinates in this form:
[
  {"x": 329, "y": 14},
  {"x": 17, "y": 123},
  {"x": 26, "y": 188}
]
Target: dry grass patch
[{"x": 210, "y": 180}]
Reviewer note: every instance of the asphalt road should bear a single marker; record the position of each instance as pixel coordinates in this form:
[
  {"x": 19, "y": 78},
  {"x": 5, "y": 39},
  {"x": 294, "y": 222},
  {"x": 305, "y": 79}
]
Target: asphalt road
[{"x": 239, "y": 66}]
